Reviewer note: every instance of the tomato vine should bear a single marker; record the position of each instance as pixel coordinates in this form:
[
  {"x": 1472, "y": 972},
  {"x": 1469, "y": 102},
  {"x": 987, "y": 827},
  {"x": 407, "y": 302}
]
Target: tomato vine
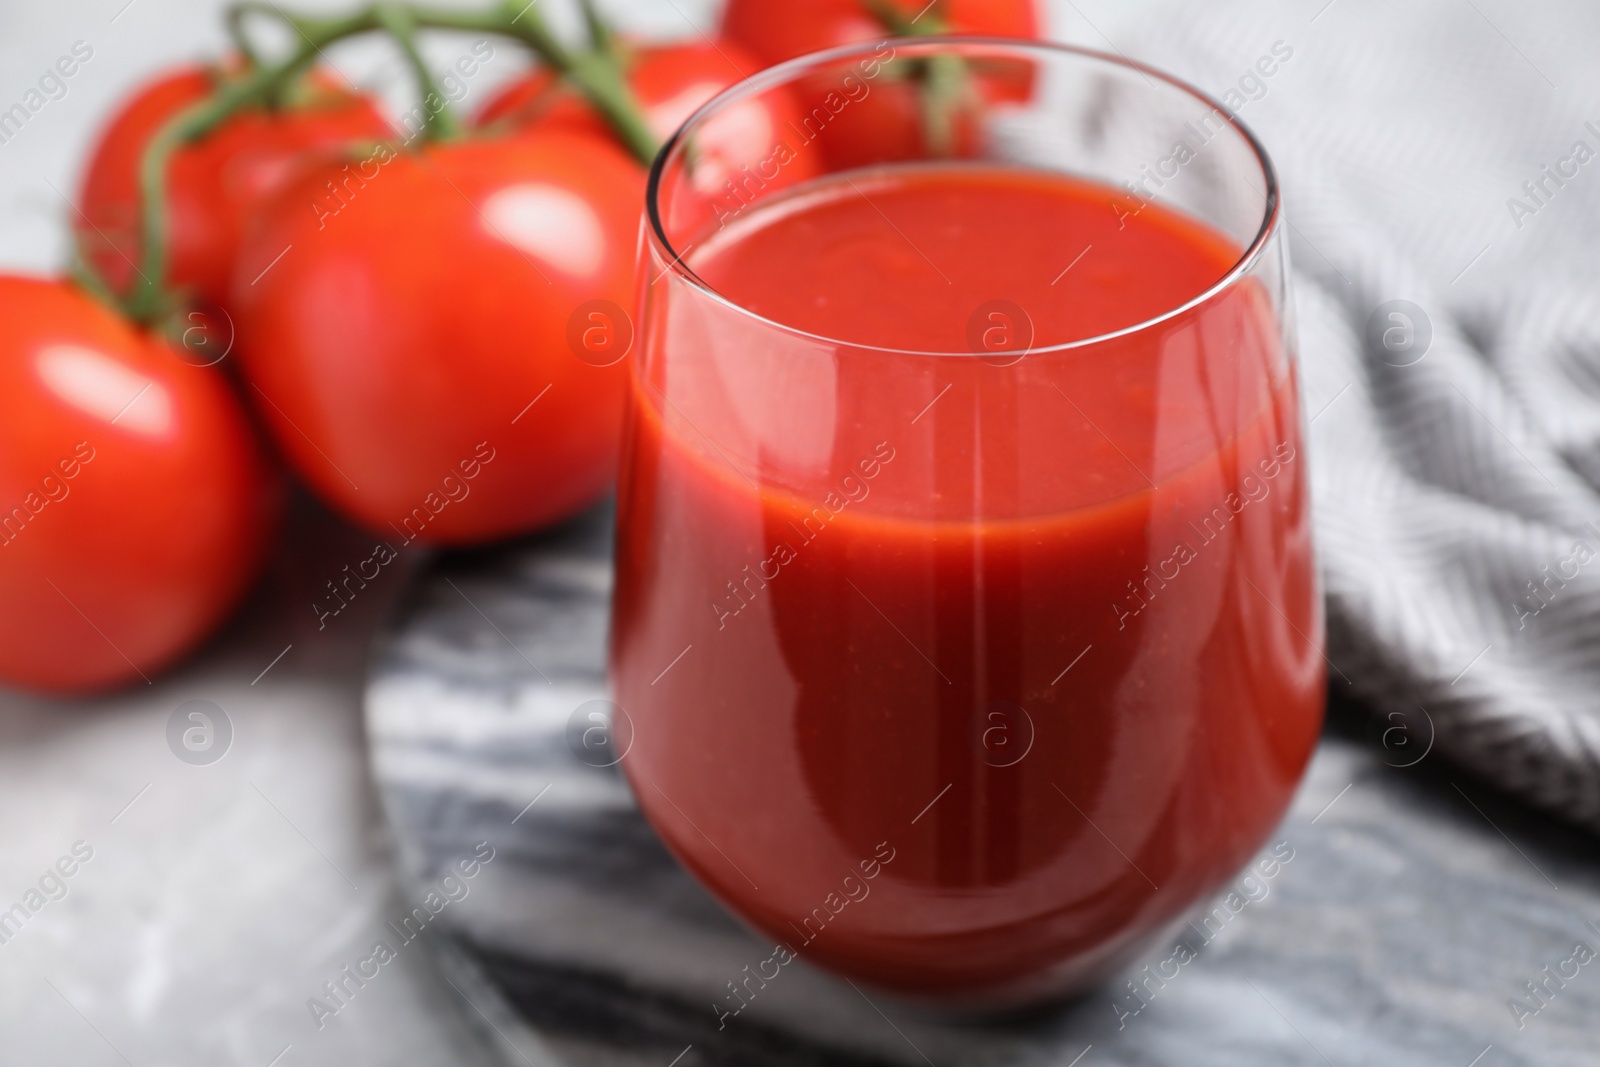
[{"x": 597, "y": 71}]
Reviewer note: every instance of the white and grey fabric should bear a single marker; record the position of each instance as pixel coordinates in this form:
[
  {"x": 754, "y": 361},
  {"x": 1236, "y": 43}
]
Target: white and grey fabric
[{"x": 1441, "y": 167}]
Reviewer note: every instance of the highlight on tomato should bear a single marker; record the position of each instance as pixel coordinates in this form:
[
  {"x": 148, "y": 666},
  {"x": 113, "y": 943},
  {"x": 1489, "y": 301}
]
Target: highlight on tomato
[{"x": 136, "y": 506}]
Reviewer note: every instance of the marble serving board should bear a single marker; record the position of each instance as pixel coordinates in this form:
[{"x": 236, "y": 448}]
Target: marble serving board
[{"x": 1408, "y": 912}]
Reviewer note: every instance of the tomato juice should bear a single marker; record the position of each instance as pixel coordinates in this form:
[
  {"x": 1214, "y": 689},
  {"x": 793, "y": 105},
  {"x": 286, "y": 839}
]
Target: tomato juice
[{"x": 1031, "y": 612}]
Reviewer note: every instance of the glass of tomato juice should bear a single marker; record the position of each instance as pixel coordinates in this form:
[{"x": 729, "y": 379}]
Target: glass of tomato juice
[{"x": 966, "y": 620}]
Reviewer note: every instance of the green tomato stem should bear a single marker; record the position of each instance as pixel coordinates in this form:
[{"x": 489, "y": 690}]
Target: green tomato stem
[
  {"x": 235, "y": 17},
  {"x": 599, "y": 30},
  {"x": 597, "y": 72},
  {"x": 944, "y": 78},
  {"x": 894, "y": 20},
  {"x": 149, "y": 299},
  {"x": 944, "y": 92},
  {"x": 401, "y": 23}
]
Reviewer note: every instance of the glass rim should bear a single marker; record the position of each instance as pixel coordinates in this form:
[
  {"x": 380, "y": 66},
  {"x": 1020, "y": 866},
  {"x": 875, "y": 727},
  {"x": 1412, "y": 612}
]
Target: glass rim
[{"x": 789, "y": 70}]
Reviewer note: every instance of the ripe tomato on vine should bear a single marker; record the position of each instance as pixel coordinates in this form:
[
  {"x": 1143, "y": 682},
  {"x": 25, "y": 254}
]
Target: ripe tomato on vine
[
  {"x": 138, "y": 506},
  {"x": 215, "y": 185}
]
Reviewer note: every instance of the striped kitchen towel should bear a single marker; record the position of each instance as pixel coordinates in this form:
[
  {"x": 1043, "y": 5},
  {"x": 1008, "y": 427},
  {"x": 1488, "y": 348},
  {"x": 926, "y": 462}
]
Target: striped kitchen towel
[{"x": 1441, "y": 168}]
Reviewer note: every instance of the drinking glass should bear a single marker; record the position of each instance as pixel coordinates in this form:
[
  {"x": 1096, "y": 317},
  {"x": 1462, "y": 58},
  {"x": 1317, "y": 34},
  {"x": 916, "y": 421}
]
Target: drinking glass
[{"x": 967, "y": 673}]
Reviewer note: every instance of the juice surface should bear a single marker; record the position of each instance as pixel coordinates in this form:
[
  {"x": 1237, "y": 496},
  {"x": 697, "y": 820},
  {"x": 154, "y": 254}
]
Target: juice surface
[
  {"x": 901, "y": 258},
  {"x": 964, "y": 675}
]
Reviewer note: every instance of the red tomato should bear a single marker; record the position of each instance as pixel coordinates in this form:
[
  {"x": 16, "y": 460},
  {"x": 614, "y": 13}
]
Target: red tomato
[
  {"x": 215, "y": 185},
  {"x": 438, "y": 350},
  {"x": 136, "y": 507},
  {"x": 779, "y": 31},
  {"x": 875, "y": 114}
]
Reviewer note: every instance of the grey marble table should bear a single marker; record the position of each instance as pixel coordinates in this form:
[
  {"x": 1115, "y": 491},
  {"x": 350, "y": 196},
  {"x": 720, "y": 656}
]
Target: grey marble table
[
  {"x": 1415, "y": 907},
  {"x": 220, "y": 894}
]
